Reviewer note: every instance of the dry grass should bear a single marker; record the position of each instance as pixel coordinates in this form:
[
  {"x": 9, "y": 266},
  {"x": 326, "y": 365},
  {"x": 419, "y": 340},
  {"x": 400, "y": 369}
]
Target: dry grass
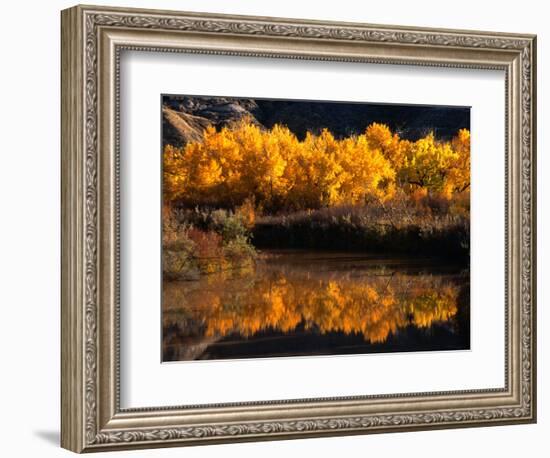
[{"x": 429, "y": 228}]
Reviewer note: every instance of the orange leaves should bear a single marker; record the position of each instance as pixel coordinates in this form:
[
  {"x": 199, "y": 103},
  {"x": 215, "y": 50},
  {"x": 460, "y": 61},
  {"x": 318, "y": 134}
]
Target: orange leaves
[
  {"x": 278, "y": 171},
  {"x": 207, "y": 244},
  {"x": 247, "y": 213},
  {"x": 374, "y": 307}
]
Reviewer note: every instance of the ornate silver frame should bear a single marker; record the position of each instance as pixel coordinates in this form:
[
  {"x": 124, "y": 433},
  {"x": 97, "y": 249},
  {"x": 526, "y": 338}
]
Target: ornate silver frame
[{"x": 92, "y": 39}]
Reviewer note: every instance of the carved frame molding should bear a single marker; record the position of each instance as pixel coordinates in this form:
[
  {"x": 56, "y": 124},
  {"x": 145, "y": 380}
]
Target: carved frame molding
[{"x": 92, "y": 39}]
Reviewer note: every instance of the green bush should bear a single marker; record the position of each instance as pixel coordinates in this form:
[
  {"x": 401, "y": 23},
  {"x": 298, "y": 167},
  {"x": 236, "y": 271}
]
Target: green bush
[
  {"x": 201, "y": 241},
  {"x": 239, "y": 248},
  {"x": 233, "y": 228}
]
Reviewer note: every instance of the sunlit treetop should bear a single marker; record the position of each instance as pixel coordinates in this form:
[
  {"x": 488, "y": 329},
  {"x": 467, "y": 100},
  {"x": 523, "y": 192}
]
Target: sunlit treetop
[{"x": 279, "y": 171}]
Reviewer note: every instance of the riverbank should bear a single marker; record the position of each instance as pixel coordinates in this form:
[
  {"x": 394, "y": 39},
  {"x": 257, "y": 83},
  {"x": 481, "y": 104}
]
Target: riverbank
[
  {"x": 196, "y": 243},
  {"x": 203, "y": 241},
  {"x": 387, "y": 230}
]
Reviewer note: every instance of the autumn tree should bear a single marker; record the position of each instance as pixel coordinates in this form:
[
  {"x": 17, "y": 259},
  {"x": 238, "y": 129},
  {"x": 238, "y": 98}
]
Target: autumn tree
[
  {"x": 276, "y": 170},
  {"x": 459, "y": 175},
  {"x": 380, "y": 137}
]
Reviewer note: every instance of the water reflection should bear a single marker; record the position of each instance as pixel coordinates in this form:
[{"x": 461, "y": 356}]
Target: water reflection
[{"x": 294, "y": 303}]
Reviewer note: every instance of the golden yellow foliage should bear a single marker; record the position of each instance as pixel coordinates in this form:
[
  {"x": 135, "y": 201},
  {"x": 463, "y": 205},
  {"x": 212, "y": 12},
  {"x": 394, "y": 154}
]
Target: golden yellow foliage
[{"x": 277, "y": 170}]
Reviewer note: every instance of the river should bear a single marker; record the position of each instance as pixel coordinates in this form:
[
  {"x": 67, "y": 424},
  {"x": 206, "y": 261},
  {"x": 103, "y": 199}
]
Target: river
[{"x": 305, "y": 303}]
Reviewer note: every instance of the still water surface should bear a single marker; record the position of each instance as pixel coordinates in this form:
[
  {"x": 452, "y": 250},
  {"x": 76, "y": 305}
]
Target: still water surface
[{"x": 302, "y": 303}]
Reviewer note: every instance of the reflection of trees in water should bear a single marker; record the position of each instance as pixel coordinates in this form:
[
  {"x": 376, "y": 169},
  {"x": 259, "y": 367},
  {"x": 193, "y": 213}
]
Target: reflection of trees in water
[{"x": 374, "y": 305}]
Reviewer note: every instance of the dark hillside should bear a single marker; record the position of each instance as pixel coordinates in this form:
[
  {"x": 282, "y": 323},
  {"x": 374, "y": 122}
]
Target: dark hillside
[{"x": 184, "y": 117}]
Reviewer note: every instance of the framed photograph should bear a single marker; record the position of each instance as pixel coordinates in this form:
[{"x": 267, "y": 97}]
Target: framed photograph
[{"x": 278, "y": 228}]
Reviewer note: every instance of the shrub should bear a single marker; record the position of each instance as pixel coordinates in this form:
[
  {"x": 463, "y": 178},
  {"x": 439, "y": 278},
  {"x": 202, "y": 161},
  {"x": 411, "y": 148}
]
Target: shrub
[
  {"x": 178, "y": 265},
  {"x": 206, "y": 244},
  {"x": 200, "y": 241},
  {"x": 247, "y": 213},
  {"x": 233, "y": 228},
  {"x": 177, "y": 249},
  {"x": 239, "y": 248}
]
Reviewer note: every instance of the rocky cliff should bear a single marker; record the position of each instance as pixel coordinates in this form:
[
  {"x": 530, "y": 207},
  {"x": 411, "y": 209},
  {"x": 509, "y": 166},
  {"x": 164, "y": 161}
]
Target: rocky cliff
[{"x": 185, "y": 117}]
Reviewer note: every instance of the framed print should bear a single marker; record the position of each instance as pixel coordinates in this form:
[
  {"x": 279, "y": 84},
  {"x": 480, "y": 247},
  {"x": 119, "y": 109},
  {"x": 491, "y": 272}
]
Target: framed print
[
  {"x": 277, "y": 242},
  {"x": 277, "y": 228}
]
